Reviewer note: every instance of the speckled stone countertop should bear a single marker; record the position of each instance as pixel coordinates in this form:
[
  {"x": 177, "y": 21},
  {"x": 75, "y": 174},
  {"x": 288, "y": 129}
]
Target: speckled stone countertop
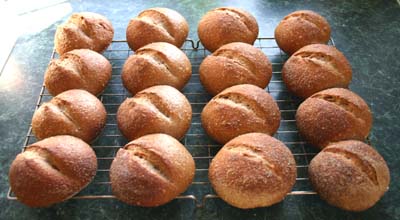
[{"x": 367, "y": 32}]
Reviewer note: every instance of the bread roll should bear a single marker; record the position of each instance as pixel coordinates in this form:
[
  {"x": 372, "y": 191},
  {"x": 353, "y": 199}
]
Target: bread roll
[
  {"x": 151, "y": 170},
  {"x": 84, "y": 30},
  {"x": 225, "y": 25},
  {"x": 78, "y": 69},
  {"x": 350, "y": 175},
  {"x": 52, "y": 170},
  {"x": 156, "y": 64},
  {"x": 238, "y": 110},
  {"x": 253, "y": 170},
  {"x": 74, "y": 112},
  {"x": 158, "y": 109},
  {"x": 301, "y": 28},
  {"x": 234, "y": 64},
  {"x": 333, "y": 115},
  {"x": 157, "y": 25},
  {"x": 314, "y": 68}
]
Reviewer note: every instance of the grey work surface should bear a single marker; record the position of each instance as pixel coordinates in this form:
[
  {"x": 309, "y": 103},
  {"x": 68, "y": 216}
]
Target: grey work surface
[{"x": 367, "y": 32}]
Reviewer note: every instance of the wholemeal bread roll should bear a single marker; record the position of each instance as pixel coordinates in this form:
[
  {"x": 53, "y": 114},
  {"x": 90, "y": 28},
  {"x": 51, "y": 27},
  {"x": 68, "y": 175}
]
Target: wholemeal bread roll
[
  {"x": 156, "y": 64},
  {"x": 301, "y": 28},
  {"x": 253, "y": 170},
  {"x": 238, "y": 110},
  {"x": 158, "y": 109},
  {"x": 84, "y": 30},
  {"x": 225, "y": 25},
  {"x": 157, "y": 25},
  {"x": 52, "y": 170},
  {"x": 74, "y": 112},
  {"x": 151, "y": 170},
  {"x": 333, "y": 115},
  {"x": 234, "y": 64},
  {"x": 78, "y": 69},
  {"x": 314, "y": 68},
  {"x": 350, "y": 175}
]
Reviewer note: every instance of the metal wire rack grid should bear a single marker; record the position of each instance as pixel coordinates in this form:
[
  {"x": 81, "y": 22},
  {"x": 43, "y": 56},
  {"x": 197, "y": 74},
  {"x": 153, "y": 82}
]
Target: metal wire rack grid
[{"x": 196, "y": 141}]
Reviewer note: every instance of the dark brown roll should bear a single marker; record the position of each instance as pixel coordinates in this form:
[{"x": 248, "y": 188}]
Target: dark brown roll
[
  {"x": 238, "y": 110},
  {"x": 78, "y": 69},
  {"x": 151, "y": 170},
  {"x": 333, "y": 115},
  {"x": 156, "y": 64},
  {"x": 234, "y": 64},
  {"x": 350, "y": 175},
  {"x": 253, "y": 170},
  {"x": 52, "y": 170},
  {"x": 158, "y": 109},
  {"x": 225, "y": 25},
  {"x": 314, "y": 68},
  {"x": 74, "y": 112},
  {"x": 84, "y": 30},
  {"x": 157, "y": 25},
  {"x": 301, "y": 28}
]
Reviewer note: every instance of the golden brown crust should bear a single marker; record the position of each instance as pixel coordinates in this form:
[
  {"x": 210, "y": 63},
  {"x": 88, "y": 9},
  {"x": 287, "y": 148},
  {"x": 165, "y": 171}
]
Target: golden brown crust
[
  {"x": 333, "y": 115},
  {"x": 225, "y": 25},
  {"x": 74, "y": 112},
  {"x": 151, "y": 170},
  {"x": 301, "y": 28},
  {"x": 234, "y": 64},
  {"x": 78, "y": 69},
  {"x": 350, "y": 175},
  {"x": 314, "y": 68},
  {"x": 157, "y": 25},
  {"x": 253, "y": 170},
  {"x": 238, "y": 110},
  {"x": 158, "y": 109},
  {"x": 84, "y": 30},
  {"x": 52, "y": 170},
  {"x": 156, "y": 64}
]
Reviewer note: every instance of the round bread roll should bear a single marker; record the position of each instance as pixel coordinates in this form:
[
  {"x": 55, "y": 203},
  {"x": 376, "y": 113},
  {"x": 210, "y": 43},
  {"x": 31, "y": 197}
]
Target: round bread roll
[
  {"x": 157, "y": 25},
  {"x": 301, "y": 28},
  {"x": 253, "y": 170},
  {"x": 158, "y": 109},
  {"x": 238, "y": 110},
  {"x": 52, "y": 170},
  {"x": 74, "y": 112},
  {"x": 225, "y": 25},
  {"x": 350, "y": 175},
  {"x": 234, "y": 64},
  {"x": 156, "y": 64},
  {"x": 314, "y": 68},
  {"x": 151, "y": 170},
  {"x": 333, "y": 115},
  {"x": 84, "y": 30},
  {"x": 78, "y": 69}
]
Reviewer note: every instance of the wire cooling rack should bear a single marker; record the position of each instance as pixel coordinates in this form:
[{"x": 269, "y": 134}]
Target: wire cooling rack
[{"x": 196, "y": 141}]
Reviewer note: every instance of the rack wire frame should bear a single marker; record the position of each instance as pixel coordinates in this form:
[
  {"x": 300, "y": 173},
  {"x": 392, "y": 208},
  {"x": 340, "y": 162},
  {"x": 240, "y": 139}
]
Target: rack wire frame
[{"x": 202, "y": 147}]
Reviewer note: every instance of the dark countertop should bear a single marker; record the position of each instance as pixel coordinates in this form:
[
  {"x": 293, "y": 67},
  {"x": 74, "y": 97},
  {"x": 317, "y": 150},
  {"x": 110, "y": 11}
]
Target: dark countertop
[{"x": 367, "y": 32}]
